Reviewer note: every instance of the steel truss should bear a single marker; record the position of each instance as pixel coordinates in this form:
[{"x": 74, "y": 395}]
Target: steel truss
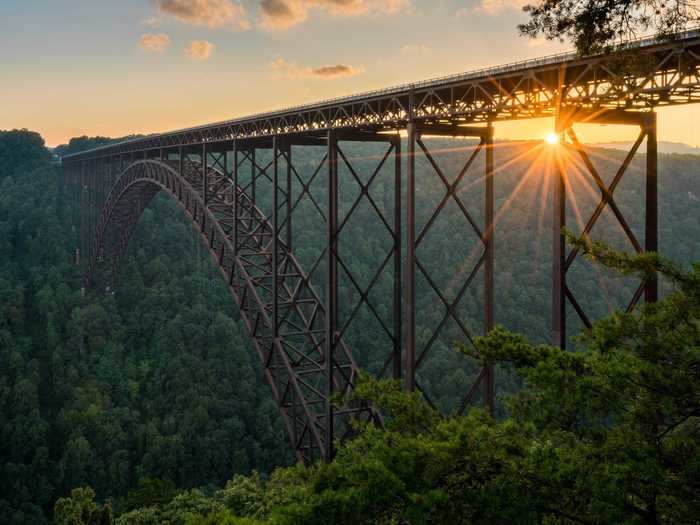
[
  {"x": 306, "y": 361},
  {"x": 562, "y": 258},
  {"x": 240, "y": 195},
  {"x": 416, "y": 356}
]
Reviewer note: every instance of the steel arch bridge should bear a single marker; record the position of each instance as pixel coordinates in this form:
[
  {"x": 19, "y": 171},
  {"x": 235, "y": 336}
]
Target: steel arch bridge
[{"x": 240, "y": 186}]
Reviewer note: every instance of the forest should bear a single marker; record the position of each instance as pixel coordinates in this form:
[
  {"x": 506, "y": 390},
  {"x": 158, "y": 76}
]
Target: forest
[{"x": 147, "y": 405}]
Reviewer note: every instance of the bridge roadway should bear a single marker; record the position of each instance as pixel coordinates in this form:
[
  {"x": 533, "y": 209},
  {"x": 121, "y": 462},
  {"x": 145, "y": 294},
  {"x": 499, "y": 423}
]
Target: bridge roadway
[{"x": 297, "y": 331}]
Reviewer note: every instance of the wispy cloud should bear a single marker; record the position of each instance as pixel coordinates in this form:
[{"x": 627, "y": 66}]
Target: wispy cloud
[
  {"x": 200, "y": 50},
  {"x": 209, "y": 13},
  {"x": 154, "y": 42},
  {"x": 283, "y": 14},
  {"x": 284, "y": 69}
]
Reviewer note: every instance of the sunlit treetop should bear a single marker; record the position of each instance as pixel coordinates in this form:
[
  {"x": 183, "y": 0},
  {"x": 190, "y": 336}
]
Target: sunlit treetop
[{"x": 593, "y": 25}]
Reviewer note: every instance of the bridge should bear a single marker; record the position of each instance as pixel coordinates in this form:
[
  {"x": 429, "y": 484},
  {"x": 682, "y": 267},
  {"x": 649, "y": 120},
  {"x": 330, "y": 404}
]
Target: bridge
[{"x": 238, "y": 182}]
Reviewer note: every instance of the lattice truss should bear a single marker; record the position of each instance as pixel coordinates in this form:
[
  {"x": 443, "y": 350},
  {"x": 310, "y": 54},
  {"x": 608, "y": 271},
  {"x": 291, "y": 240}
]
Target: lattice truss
[
  {"x": 579, "y": 177},
  {"x": 284, "y": 314},
  {"x": 460, "y": 307},
  {"x": 664, "y": 74}
]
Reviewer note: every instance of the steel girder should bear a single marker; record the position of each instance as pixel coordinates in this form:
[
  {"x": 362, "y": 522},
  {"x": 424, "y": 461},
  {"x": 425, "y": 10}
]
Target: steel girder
[{"x": 668, "y": 74}]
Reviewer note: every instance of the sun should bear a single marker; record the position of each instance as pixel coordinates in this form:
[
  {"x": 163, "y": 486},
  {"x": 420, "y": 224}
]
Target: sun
[{"x": 552, "y": 139}]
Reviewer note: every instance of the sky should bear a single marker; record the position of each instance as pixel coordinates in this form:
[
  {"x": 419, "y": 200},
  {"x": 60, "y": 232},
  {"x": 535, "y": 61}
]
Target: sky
[{"x": 117, "y": 67}]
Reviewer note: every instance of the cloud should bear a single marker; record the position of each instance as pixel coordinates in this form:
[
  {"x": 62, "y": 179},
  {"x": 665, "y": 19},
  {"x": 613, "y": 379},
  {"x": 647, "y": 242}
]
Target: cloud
[
  {"x": 282, "y": 68},
  {"x": 154, "y": 42},
  {"x": 338, "y": 70},
  {"x": 209, "y": 13},
  {"x": 494, "y": 7},
  {"x": 282, "y": 14},
  {"x": 199, "y": 50}
]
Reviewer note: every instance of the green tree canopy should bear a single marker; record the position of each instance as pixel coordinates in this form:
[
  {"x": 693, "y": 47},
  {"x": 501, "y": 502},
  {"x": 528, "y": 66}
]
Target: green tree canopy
[
  {"x": 21, "y": 151},
  {"x": 593, "y": 24},
  {"x": 80, "y": 509}
]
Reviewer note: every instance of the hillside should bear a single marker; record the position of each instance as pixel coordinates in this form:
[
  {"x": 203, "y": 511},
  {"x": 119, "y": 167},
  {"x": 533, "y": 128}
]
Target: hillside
[{"x": 668, "y": 148}]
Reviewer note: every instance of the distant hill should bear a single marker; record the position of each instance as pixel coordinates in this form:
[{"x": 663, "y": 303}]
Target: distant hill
[{"x": 664, "y": 147}]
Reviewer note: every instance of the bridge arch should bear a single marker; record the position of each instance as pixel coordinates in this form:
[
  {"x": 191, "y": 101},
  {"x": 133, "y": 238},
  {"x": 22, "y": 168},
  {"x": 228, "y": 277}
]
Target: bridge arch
[{"x": 293, "y": 359}]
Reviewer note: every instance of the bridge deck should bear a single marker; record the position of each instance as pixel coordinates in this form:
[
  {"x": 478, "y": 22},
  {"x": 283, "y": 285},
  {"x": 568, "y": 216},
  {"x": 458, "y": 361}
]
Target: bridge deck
[{"x": 664, "y": 73}]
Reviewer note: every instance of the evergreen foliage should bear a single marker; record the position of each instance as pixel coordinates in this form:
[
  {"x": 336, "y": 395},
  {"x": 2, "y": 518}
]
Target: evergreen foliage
[
  {"x": 593, "y": 25},
  {"x": 150, "y": 399}
]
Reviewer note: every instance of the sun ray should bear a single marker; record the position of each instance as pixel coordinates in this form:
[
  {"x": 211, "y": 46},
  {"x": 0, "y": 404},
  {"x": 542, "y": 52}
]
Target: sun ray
[{"x": 564, "y": 159}]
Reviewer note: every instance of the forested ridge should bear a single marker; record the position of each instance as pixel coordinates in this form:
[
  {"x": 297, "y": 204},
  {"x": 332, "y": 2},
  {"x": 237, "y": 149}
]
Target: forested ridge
[{"x": 149, "y": 392}]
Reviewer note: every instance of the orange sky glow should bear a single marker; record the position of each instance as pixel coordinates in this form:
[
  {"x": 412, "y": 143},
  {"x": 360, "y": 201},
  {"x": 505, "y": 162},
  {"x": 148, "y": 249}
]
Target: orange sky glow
[{"x": 115, "y": 69}]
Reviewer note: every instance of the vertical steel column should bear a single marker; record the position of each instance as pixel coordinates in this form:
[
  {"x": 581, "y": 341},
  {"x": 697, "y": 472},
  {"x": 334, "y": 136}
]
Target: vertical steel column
[
  {"x": 489, "y": 231},
  {"x": 181, "y": 167},
  {"x": 275, "y": 236},
  {"x": 651, "y": 237},
  {"x": 224, "y": 161},
  {"x": 106, "y": 173},
  {"x": 410, "y": 378},
  {"x": 398, "y": 317},
  {"x": 235, "y": 198},
  {"x": 110, "y": 180},
  {"x": 204, "y": 174},
  {"x": 289, "y": 199},
  {"x": 558, "y": 254},
  {"x": 332, "y": 286},
  {"x": 253, "y": 174}
]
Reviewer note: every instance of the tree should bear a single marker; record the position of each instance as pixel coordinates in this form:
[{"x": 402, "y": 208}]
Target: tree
[
  {"x": 80, "y": 509},
  {"x": 594, "y": 24},
  {"x": 21, "y": 151},
  {"x": 151, "y": 491}
]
